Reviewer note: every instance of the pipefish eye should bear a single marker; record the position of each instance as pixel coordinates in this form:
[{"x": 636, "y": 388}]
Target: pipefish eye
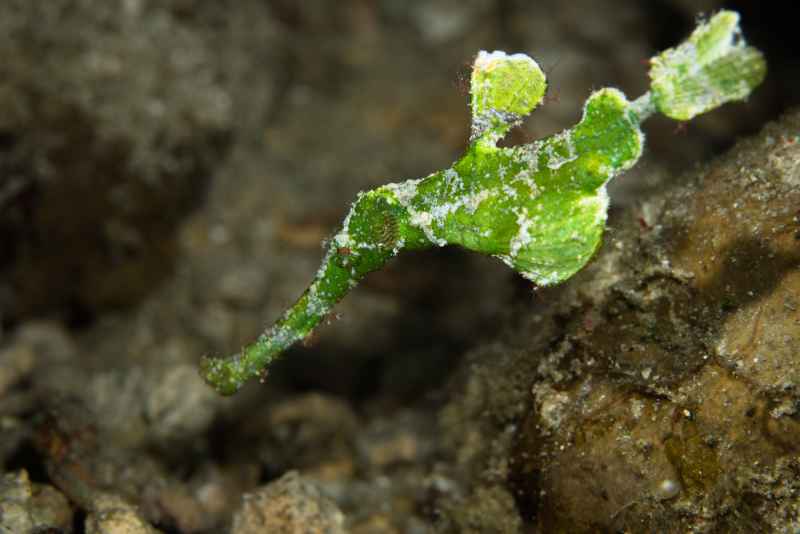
[{"x": 388, "y": 231}]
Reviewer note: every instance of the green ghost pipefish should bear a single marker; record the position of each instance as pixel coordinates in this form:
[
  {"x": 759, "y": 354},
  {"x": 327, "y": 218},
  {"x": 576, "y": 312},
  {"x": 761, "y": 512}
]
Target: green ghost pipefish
[{"x": 540, "y": 208}]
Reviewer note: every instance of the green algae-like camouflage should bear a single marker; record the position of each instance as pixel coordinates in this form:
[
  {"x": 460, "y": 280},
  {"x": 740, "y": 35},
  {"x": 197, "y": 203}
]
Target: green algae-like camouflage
[
  {"x": 713, "y": 66},
  {"x": 540, "y": 208}
]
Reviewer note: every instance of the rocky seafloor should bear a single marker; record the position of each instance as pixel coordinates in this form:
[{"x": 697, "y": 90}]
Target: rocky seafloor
[{"x": 167, "y": 173}]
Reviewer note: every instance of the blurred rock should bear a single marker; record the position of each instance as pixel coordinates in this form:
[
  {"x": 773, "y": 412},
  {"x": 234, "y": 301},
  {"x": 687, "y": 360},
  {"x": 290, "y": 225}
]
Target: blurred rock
[
  {"x": 441, "y": 21},
  {"x": 15, "y": 363},
  {"x": 160, "y": 407},
  {"x": 179, "y": 405},
  {"x": 405, "y": 438},
  {"x": 487, "y": 509},
  {"x": 107, "y": 142},
  {"x": 112, "y": 515},
  {"x": 37, "y": 346},
  {"x": 15, "y": 430},
  {"x": 289, "y": 505},
  {"x": 310, "y": 432},
  {"x": 28, "y": 508},
  {"x": 87, "y": 461},
  {"x": 217, "y": 490}
]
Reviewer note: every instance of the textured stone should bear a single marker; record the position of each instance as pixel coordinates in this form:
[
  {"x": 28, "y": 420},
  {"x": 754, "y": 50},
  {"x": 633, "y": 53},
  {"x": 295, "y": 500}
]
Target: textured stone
[{"x": 676, "y": 396}]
